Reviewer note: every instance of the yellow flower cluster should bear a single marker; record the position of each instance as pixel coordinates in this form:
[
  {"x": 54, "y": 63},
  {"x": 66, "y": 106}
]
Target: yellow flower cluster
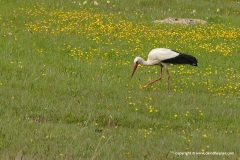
[{"x": 100, "y": 31}]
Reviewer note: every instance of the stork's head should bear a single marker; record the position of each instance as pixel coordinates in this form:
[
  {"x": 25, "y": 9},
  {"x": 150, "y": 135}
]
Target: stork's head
[{"x": 137, "y": 61}]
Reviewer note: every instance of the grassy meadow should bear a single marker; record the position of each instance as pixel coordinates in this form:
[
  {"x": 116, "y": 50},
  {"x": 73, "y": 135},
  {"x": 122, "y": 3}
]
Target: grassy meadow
[{"x": 66, "y": 90}]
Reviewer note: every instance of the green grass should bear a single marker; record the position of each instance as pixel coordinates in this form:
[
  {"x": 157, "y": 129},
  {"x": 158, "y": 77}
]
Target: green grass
[{"x": 66, "y": 90}]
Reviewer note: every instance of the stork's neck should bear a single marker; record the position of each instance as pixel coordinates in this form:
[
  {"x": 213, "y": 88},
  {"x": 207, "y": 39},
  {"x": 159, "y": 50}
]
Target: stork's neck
[{"x": 146, "y": 63}]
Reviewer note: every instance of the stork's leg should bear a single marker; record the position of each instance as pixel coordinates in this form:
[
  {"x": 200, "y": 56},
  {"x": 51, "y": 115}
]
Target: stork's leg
[
  {"x": 168, "y": 77},
  {"x": 155, "y": 79}
]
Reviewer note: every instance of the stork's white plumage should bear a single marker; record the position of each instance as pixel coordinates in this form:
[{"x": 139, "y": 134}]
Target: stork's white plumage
[{"x": 164, "y": 57}]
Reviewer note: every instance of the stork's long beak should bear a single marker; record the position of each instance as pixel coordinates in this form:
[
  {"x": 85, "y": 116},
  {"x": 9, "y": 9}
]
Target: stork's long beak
[{"x": 135, "y": 67}]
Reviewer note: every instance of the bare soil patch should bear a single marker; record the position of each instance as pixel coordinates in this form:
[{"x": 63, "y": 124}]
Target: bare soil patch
[{"x": 187, "y": 21}]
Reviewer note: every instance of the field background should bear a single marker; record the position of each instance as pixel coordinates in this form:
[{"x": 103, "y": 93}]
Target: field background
[{"x": 66, "y": 91}]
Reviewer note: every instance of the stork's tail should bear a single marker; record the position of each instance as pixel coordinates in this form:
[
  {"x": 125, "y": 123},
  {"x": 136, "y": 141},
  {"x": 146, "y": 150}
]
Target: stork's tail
[
  {"x": 182, "y": 59},
  {"x": 188, "y": 59}
]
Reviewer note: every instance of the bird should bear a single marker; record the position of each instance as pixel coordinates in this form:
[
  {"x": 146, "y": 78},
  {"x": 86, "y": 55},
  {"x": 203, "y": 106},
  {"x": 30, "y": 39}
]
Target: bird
[{"x": 164, "y": 57}]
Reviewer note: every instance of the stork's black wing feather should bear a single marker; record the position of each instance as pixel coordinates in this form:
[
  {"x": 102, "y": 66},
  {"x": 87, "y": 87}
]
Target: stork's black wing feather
[{"x": 182, "y": 59}]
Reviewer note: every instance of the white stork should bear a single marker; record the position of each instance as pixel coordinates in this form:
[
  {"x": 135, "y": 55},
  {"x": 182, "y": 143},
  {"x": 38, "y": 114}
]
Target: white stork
[{"x": 164, "y": 57}]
